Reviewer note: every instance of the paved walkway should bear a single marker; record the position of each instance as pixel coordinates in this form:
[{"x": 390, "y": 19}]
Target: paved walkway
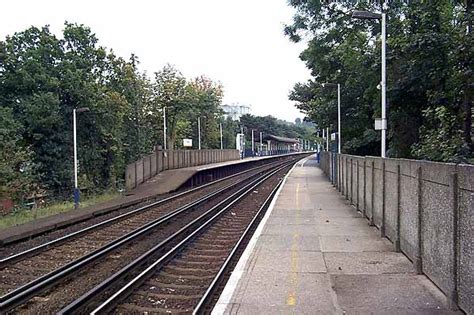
[{"x": 317, "y": 255}]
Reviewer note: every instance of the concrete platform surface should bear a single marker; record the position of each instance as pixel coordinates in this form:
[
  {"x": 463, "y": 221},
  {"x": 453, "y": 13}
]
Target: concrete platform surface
[{"x": 314, "y": 254}]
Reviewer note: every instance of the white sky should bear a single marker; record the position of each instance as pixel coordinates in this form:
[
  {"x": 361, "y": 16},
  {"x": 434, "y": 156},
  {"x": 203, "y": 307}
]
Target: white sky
[{"x": 237, "y": 42}]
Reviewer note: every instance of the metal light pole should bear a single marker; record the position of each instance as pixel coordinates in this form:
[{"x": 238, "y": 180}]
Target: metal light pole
[
  {"x": 324, "y": 132},
  {"x": 74, "y": 131},
  {"x": 220, "y": 129},
  {"x": 366, "y": 15},
  {"x": 327, "y": 139},
  {"x": 253, "y": 143},
  {"x": 384, "y": 85},
  {"x": 164, "y": 128},
  {"x": 338, "y": 86},
  {"x": 199, "y": 133}
]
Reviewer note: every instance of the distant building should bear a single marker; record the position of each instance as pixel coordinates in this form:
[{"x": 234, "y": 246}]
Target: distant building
[{"x": 235, "y": 110}]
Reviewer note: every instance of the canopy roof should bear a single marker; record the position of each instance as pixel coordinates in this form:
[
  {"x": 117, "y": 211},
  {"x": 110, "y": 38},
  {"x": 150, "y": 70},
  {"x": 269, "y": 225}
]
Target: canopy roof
[{"x": 280, "y": 139}]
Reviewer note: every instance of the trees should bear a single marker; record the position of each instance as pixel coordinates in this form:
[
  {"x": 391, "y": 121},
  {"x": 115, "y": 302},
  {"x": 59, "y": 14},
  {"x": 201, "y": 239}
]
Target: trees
[
  {"x": 15, "y": 162},
  {"x": 426, "y": 75},
  {"x": 43, "y": 78}
]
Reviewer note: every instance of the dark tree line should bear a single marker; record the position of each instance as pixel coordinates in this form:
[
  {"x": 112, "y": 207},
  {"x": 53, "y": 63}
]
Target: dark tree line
[
  {"x": 429, "y": 62},
  {"x": 43, "y": 78}
]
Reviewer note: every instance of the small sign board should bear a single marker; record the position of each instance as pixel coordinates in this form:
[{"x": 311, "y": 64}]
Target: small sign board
[
  {"x": 380, "y": 124},
  {"x": 187, "y": 143},
  {"x": 333, "y": 136}
]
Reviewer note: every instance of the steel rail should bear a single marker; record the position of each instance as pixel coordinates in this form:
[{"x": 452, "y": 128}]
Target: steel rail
[
  {"x": 206, "y": 298},
  {"x": 25, "y": 292},
  {"x": 75, "y": 307},
  {"x": 4, "y": 262}
]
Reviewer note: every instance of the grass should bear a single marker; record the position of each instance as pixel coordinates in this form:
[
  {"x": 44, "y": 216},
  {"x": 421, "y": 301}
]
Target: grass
[{"x": 26, "y": 215}]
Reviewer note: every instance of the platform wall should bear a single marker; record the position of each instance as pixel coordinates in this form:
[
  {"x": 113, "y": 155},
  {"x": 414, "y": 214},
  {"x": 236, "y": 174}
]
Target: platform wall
[
  {"x": 147, "y": 167},
  {"x": 425, "y": 208}
]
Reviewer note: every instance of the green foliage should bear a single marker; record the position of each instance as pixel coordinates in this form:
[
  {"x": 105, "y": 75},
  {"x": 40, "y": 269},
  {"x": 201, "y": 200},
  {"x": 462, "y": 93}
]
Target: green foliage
[
  {"x": 15, "y": 168},
  {"x": 441, "y": 140},
  {"x": 43, "y": 78},
  {"x": 272, "y": 126},
  {"x": 429, "y": 63}
]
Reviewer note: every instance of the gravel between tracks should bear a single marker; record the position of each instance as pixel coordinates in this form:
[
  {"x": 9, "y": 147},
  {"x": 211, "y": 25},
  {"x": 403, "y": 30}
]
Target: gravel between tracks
[
  {"x": 64, "y": 293},
  {"x": 18, "y": 247},
  {"x": 180, "y": 284}
]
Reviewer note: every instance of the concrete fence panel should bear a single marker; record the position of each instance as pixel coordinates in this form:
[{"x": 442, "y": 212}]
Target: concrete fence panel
[
  {"x": 361, "y": 185},
  {"x": 139, "y": 170},
  {"x": 409, "y": 207},
  {"x": 369, "y": 186},
  {"x": 187, "y": 158},
  {"x": 180, "y": 159},
  {"x": 153, "y": 165},
  {"x": 130, "y": 177},
  {"x": 159, "y": 161},
  {"x": 176, "y": 159},
  {"x": 465, "y": 218},
  {"x": 391, "y": 199},
  {"x": 378, "y": 203},
  {"x": 437, "y": 223},
  {"x": 353, "y": 185},
  {"x": 146, "y": 168},
  {"x": 425, "y": 208},
  {"x": 169, "y": 159},
  {"x": 191, "y": 158}
]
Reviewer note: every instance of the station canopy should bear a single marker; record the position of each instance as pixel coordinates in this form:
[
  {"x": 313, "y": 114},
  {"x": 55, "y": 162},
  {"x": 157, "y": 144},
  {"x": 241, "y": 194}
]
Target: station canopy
[{"x": 280, "y": 139}]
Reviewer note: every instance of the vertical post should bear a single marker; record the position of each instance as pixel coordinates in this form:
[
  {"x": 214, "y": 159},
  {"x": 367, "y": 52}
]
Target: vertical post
[
  {"x": 261, "y": 143},
  {"x": 352, "y": 181},
  {"x": 199, "y": 133},
  {"x": 454, "y": 294},
  {"x": 253, "y": 143},
  {"x": 76, "y": 189},
  {"x": 220, "y": 129},
  {"x": 324, "y": 132},
  {"x": 339, "y": 173},
  {"x": 364, "y": 209},
  {"x": 338, "y": 118},
  {"x": 382, "y": 225},
  {"x": 327, "y": 139},
  {"x": 357, "y": 186},
  {"x": 397, "y": 239},
  {"x": 164, "y": 128},
  {"x": 418, "y": 261},
  {"x": 384, "y": 86},
  {"x": 371, "y": 222}
]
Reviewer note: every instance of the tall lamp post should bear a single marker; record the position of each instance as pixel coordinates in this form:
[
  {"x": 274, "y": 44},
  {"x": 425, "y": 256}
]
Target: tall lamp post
[
  {"x": 220, "y": 130},
  {"x": 199, "y": 133},
  {"x": 76, "y": 187},
  {"x": 164, "y": 128},
  {"x": 338, "y": 86},
  {"x": 366, "y": 15},
  {"x": 253, "y": 144}
]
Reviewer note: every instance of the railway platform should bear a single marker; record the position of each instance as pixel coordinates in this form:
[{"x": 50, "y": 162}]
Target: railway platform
[
  {"x": 315, "y": 254},
  {"x": 163, "y": 183}
]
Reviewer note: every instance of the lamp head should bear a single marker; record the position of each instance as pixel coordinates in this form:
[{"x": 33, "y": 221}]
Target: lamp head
[
  {"x": 366, "y": 15},
  {"x": 329, "y": 85},
  {"x": 82, "y": 110}
]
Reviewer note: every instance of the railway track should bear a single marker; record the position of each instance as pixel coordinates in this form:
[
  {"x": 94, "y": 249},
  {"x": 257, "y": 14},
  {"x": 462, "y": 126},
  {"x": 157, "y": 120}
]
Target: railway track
[
  {"x": 186, "y": 277},
  {"x": 116, "y": 244}
]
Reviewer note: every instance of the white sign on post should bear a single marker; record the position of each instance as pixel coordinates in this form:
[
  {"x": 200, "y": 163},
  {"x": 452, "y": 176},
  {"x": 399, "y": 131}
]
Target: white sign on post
[
  {"x": 333, "y": 136},
  {"x": 380, "y": 124},
  {"x": 187, "y": 143}
]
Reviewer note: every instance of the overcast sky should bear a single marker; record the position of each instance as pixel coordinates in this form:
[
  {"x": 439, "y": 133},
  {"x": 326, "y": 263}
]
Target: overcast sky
[{"x": 237, "y": 42}]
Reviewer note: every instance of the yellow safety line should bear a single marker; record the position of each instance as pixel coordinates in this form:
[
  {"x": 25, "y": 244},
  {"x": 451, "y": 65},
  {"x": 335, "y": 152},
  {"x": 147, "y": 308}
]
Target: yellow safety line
[{"x": 291, "y": 298}]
